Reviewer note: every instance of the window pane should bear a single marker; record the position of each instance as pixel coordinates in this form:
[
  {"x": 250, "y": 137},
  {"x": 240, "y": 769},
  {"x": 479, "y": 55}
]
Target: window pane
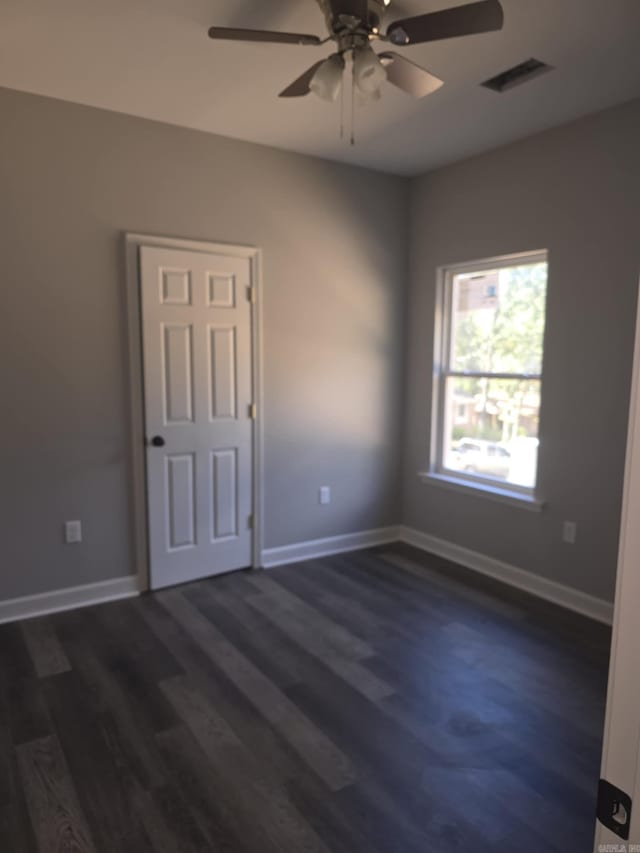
[
  {"x": 491, "y": 428},
  {"x": 497, "y": 320}
]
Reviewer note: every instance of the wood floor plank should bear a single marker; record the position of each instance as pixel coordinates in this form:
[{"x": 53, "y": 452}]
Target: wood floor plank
[
  {"x": 15, "y": 660},
  {"x": 16, "y": 832},
  {"x": 451, "y": 587},
  {"x": 107, "y": 697},
  {"x": 22, "y": 710},
  {"x": 404, "y": 823},
  {"x": 57, "y": 818},
  {"x": 28, "y": 714},
  {"x": 255, "y": 799},
  {"x": 538, "y": 683},
  {"x": 378, "y": 744},
  {"x": 168, "y": 821},
  {"x": 127, "y": 659},
  {"x": 344, "y": 576},
  {"x": 500, "y": 792},
  {"x": 131, "y": 638},
  {"x": 16, "y": 826},
  {"x": 249, "y": 631},
  {"x": 368, "y": 572},
  {"x": 319, "y": 646},
  {"x": 100, "y": 774},
  {"x": 343, "y": 641},
  {"x": 310, "y": 743},
  {"x": 204, "y": 793},
  {"x": 46, "y": 652},
  {"x": 333, "y": 823},
  {"x": 309, "y": 586}
]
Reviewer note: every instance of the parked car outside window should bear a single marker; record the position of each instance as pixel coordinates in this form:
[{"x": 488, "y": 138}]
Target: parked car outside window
[{"x": 482, "y": 457}]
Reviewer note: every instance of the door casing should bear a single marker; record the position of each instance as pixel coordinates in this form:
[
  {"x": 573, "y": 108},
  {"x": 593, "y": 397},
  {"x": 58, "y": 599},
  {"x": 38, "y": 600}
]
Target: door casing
[
  {"x": 621, "y": 749},
  {"x": 132, "y": 243}
]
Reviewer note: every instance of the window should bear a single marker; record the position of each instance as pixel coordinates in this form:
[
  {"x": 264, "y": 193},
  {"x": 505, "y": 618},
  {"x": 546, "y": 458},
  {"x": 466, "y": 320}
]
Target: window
[{"x": 488, "y": 379}]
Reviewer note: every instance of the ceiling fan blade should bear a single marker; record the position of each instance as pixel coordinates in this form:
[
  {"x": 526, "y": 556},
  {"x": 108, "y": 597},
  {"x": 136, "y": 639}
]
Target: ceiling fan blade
[
  {"x": 232, "y": 34},
  {"x": 483, "y": 17},
  {"x": 300, "y": 87},
  {"x": 408, "y": 76}
]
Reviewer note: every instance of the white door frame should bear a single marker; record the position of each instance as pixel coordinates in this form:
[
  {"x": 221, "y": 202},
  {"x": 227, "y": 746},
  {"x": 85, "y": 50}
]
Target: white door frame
[
  {"x": 621, "y": 748},
  {"x": 136, "y": 388}
]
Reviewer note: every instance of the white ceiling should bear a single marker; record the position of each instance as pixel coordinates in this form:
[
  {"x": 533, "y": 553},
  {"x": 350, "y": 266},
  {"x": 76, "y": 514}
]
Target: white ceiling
[{"x": 152, "y": 58}]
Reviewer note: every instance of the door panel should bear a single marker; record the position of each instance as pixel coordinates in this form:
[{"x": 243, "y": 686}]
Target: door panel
[
  {"x": 177, "y": 366},
  {"x": 223, "y": 371},
  {"x": 224, "y": 483},
  {"x": 176, "y": 287},
  {"x": 196, "y": 320},
  {"x": 222, "y": 291},
  {"x": 180, "y": 501}
]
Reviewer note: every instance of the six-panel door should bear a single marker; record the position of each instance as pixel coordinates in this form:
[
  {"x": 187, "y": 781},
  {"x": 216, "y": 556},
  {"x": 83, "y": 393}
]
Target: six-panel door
[{"x": 196, "y": 321}]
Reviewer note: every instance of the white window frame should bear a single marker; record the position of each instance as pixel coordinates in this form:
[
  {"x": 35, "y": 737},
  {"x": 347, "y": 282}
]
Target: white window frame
[{"x": 438, "y": 473}]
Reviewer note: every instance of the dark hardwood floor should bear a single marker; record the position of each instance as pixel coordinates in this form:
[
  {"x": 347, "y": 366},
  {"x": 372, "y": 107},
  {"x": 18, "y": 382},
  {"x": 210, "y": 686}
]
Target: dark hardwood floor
[{"x": 382, "y": 701}]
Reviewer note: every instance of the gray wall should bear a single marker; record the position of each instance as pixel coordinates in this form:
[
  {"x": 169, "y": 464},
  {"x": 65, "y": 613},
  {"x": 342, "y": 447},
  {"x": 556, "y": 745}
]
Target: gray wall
[
  {"x": 574, "y": 190},
  {"x": 335, "y": 241}
]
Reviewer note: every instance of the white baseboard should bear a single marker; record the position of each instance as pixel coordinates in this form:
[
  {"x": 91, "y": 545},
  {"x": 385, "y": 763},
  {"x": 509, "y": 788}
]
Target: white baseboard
[
  {"x": 324, "y": 547},
  {"x": 564, "y": 596},
  {"x": 126, "y": 587},
  {"x": 68, "y": 599}
]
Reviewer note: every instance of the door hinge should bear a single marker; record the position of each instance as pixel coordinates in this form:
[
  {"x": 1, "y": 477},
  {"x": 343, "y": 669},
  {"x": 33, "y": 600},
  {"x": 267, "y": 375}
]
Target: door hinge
[
  {"x": 614, "y": 809},
  {"x": 251, "y": 294},
  {"x": 253, "y": 411},
  {"x": 250, "y": 522}
]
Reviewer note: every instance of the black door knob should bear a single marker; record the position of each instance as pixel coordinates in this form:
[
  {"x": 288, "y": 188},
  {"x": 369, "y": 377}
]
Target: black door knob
[{"x": 157, "y": 441}]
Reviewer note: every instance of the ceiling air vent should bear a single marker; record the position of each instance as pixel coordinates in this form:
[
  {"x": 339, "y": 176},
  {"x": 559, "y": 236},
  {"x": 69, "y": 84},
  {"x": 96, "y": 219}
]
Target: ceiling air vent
[{"x": 517, "y": 75}]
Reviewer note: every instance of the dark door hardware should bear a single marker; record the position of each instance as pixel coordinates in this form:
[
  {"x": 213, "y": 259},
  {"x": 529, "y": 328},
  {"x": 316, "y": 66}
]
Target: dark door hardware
[{"x": 614, "y": 808}]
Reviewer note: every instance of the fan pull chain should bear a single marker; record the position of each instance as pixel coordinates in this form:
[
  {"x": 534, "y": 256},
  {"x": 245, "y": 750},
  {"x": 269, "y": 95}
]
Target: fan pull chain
[
  {"x": 353, "y": 99},
  {"x": 342, "y": 109}
]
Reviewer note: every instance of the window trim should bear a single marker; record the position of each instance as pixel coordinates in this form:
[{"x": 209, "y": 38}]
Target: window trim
[
  {"x": 437, "y": 473},
  {"x": 498, "y": 494}
]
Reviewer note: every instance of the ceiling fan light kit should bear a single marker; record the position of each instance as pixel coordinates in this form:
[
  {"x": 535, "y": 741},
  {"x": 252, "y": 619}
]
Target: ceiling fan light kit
[{"x": 355, "y": 25}]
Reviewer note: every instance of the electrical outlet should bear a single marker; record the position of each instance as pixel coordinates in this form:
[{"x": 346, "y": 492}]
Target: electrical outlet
[
  {"x": 569, "y": 532},
  {"x": 72, "y": 532},
  {"x": 324, "y": 495}
]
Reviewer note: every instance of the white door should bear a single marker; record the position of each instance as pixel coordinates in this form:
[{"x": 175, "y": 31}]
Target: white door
[
  {"x": 621, "y": 758},
  {"x": 196, "y": 327}
]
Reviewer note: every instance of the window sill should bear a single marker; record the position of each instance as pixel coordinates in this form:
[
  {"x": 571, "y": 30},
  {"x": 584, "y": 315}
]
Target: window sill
[{"x": 482, "y": 490}]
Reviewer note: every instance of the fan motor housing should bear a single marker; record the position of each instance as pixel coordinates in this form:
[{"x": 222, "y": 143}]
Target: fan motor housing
[{"x": 359, "y": 9}]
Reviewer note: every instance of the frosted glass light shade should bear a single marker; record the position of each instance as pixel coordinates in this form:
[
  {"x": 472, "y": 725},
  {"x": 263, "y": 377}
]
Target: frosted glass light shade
[
  {"x": 369, "y": 72},
  {"x": 327, "y": 80}
]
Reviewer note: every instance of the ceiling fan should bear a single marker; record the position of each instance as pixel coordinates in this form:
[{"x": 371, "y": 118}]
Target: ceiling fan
[{"x": 354, "y": 25}]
